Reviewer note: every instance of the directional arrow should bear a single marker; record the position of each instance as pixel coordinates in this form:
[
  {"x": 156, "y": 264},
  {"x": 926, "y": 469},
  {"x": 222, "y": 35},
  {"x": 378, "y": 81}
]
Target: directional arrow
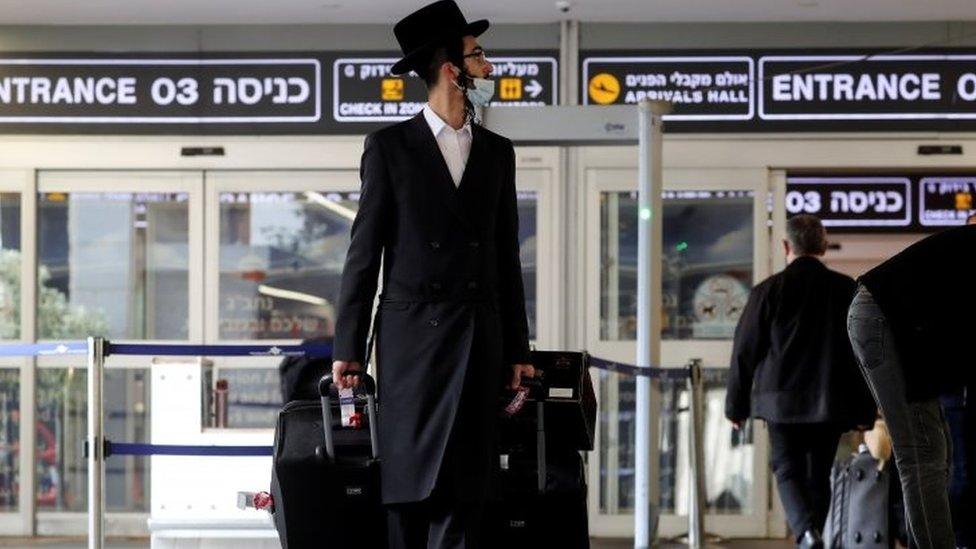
[{"x": 534, "y": 88}]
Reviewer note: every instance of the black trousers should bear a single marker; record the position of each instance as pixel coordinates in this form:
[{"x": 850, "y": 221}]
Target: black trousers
[
  {"x": 439, "y": 522},
  {"x": 801, "y": 459}
]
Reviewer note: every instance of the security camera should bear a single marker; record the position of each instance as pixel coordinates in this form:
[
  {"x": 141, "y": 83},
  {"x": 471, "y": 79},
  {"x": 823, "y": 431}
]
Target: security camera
[{"x": 563, "y": 6}]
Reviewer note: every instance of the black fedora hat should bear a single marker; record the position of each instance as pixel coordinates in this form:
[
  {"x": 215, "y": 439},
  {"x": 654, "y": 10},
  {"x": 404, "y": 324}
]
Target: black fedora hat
[{"x": 427, "y": 28}]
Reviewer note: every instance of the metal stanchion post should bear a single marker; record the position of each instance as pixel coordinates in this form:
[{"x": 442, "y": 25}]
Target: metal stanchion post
[
  {"x": 96, "y": 444},
  {"x": 696, "y": 494}
]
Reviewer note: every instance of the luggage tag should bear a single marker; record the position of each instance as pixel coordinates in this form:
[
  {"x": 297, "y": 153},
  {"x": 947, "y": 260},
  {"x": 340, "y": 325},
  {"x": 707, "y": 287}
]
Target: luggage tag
[
  {"x": 517, "y": 402},
  {"x": 347, "y": 407}
]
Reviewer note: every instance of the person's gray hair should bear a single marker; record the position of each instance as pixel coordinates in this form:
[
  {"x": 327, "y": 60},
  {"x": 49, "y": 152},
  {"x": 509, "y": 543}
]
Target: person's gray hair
[{"x": 807, "y": 235}]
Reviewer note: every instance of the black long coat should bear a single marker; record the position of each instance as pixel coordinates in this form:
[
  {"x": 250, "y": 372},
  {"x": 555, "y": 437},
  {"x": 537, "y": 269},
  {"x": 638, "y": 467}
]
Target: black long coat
[
  {"x": 791, "y": 360},
  {"x": 452, "y": 308}
]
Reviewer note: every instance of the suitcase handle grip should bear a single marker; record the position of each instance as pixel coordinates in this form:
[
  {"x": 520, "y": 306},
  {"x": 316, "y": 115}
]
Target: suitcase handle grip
[
  {"x": 369, "y": 384},
  {"x": 325, "y": 386}
]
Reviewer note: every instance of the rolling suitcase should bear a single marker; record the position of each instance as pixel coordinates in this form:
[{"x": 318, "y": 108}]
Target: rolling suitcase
[
  {"x": 859, "y": 504},
  {"x": 542, "y": 493},
  {"x": 325, "y": 480}
]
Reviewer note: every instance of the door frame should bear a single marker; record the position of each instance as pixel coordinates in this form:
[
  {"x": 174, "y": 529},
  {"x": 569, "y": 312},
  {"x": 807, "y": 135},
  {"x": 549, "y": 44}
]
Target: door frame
[{"x": 621, "y": 168}]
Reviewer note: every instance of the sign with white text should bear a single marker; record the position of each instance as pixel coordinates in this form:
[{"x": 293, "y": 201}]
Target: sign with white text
[
  {"x": 885, "y": 202},
  {"x": 365, "y": 91}
]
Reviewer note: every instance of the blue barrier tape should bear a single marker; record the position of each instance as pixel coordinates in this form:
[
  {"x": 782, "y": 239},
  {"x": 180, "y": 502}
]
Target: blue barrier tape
[
  {"x": 45, "y": 349},
  {"x": 709, "y": 374},
  {"x": 134, "y": 449},
  {"x": 631, "y": 370},
  {"x": 317, "y": 350}
]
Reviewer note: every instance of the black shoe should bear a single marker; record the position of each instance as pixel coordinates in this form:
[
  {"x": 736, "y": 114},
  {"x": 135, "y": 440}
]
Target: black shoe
[{"x": 811, "y": 540}]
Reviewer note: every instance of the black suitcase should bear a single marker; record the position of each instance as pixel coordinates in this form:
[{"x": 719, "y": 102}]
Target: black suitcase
[
  {"x": 859, "y": 504},
  {"x": 325, "y": 480},
  {"x": 541, "y": 496},
  {"x": 567, "y": 388}
]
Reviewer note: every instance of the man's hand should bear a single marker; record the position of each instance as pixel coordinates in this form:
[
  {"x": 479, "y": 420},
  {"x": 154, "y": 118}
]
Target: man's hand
[
  {"x": 340, "y": 367},
  {"x": 737, "y": 424},
  {"x": 519, "y": 370}
]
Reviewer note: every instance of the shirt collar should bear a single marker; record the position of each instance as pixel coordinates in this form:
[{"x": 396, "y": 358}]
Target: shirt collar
[{"x": 437, "y": 124}]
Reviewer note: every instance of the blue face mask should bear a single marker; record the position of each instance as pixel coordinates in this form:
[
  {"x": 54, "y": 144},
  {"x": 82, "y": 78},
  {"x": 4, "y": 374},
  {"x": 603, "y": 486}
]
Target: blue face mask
[
  {"x": 480, "y": 95},
  {"x": 480, "y": 92}
]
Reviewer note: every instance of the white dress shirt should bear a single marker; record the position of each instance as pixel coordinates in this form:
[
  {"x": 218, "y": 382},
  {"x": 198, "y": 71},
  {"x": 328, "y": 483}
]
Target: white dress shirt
[{"x": 455, "y": 145}]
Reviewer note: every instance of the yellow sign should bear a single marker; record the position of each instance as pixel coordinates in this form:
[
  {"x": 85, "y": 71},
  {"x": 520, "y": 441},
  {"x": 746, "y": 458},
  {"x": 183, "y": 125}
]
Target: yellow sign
[
  {"x": 510, "y": 89},
  {"x": 604, "y": 88},
  {"x": 392, "y": 89},
  {"x": 964, "y": 201}
]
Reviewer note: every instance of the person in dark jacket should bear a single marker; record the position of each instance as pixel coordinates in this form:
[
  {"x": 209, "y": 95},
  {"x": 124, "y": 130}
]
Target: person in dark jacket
[
  {"x": 911, "y": 324},
  {"x": 792, "y": 366},
  {"x": 438, "y": 207}
]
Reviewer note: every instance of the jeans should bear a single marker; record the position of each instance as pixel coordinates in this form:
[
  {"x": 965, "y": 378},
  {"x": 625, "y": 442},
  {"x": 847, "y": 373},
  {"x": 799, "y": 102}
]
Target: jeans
[
  {"x": 801, "y": 458},
  {"x": 960, "y": 410},
  {"x": 918, "y": 430}
]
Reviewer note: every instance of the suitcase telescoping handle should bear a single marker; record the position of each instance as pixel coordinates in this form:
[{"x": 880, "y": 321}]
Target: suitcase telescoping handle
[
  {"x": 535, "y": 384},
  {"x": 540, "y": 444},
  {"x": 325, "y": 389}
]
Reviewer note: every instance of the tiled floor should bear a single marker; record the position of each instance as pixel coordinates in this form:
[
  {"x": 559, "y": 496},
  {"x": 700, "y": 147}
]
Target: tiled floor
[{"x": 79, "y": 543}]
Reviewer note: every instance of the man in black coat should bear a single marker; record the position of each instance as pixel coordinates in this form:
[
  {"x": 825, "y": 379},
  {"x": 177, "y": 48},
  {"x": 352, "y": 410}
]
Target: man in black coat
[
  {"x": 438, "y": 206},
  {"x": 911, "y": 324},
  {"x": 792, "y": 365}
]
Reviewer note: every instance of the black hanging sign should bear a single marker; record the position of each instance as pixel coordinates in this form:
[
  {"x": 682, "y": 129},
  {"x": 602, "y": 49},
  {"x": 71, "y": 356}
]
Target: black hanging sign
[
  {"x": 789, "y": 90},
  {"x": 259, "y": 93},
  {"x": 363, "y": 90},
  {"x": 883, "y": 202},
  {"x": 852, "y": 201},
  {"x": 880, "y": 87},
  {"x": 114, "y": 91},
  {"x": 946, "y": 201},
  {"x": 701, "y": 87}
]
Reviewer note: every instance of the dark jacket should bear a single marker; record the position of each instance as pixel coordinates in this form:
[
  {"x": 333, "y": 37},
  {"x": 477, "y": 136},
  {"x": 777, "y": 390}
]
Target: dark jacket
[
  {"x": 452, "y": 311},
  {"x": 792, "y": 361},
  {"x": 928, "y": 295}
]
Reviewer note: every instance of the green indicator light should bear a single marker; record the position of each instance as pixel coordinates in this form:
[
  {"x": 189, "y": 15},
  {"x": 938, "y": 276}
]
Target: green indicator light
[
  {"x": 645, "y": 213},
  {"x": 682, "y": 246}
]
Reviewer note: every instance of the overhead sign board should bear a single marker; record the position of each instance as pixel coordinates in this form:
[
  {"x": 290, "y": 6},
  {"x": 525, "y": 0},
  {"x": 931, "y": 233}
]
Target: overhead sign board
[
  {"x": 110, "y": 90},
  {"x": 880, "y": 87},
  {"x": 228, "y": 93},
  {"x": 699, "y": 87},
  {"x": 852, "y": 201},
  {"x": 887, "y": 202},
  {"x": 791, "y": 91},
  {"x": 365, "y": 91},
  {"x": 946, "y": 201}
]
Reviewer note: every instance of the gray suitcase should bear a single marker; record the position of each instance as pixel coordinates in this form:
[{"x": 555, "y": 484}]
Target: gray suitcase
[{"x": 859, "y": 506}]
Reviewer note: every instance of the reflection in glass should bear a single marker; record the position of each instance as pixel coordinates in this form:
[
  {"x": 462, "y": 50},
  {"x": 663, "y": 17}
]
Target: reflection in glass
[
  {"x": 253, "y": 396},
  {"x": 114, "y": 265},
  {"x": 528, "y": 246},
  {"x": 10, "y": 264},
  {"x": 281, "y": 259},
  {"x": 62, "y": 471},
  {"x": 9, "y": 439},
  {"x": 707, "y": 269},
  {"x": 728, "y": 454}
]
